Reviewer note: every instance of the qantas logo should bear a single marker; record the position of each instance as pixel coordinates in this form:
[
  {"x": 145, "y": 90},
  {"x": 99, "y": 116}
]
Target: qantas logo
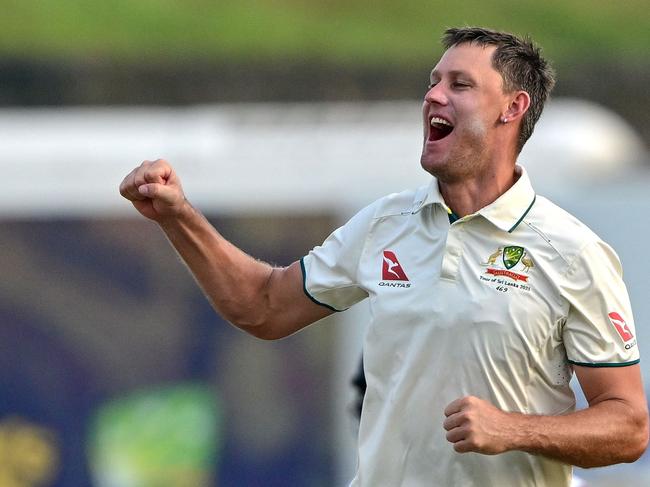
[
  {"x": 621, "y": 327},
  {"x": 392, "y": 270}
]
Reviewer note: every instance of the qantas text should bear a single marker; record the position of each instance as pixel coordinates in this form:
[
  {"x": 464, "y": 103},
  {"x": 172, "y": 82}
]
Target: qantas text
[{"x": 395, "y": 284}]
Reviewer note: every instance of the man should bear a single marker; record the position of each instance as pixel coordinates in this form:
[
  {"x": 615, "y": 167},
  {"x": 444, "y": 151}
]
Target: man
[{"x": 484, "y": 296}]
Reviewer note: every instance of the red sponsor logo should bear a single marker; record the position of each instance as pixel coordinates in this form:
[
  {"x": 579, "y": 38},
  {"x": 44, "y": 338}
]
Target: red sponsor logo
[
  {"x": 510, "y": 274},
  {"x": 621, "y": 326},
  {"x": 391, "y": 269}
]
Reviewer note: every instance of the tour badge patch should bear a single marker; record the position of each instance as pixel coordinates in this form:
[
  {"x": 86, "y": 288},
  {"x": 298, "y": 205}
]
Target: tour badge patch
[{"x": 508, "y": 267}]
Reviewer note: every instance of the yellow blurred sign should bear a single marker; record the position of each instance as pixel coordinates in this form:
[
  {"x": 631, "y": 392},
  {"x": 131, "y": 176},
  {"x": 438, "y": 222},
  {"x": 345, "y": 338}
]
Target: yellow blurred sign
[{"x": 29, "y": 453}]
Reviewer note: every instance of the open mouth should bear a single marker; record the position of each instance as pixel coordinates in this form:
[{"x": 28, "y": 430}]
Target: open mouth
[{"x": 440, "y": 128}]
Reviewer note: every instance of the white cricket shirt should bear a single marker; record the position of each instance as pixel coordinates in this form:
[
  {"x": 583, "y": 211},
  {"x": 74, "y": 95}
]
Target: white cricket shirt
[{"x": 498, "y": 305}]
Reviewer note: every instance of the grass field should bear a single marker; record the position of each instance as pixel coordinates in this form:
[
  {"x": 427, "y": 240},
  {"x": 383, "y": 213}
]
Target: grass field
[{"x": 361, "y": 31}]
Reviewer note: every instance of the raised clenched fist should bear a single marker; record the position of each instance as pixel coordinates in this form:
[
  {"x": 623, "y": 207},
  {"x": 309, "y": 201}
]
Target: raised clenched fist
[{"x": 155, "y": 190}]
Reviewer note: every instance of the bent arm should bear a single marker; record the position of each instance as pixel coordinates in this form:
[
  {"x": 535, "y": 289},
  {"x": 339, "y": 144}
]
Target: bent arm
[
  {"x": 613, "y": 429},
  {"x": 265, "y": 301}
]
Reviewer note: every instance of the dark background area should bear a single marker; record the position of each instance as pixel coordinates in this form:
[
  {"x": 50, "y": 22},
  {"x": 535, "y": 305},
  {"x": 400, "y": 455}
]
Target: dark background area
[{"x": 621, "y": 87}]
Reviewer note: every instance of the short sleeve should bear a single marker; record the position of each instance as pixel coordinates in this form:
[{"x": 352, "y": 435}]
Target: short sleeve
[
  {"x": 330, "y": 270},
  {"x": 599, "y": 330}
]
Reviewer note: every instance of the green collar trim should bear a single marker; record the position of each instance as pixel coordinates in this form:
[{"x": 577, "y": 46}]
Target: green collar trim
[
  {"x": 524, "y": 215},
  {"x": 452, "y": 216}
]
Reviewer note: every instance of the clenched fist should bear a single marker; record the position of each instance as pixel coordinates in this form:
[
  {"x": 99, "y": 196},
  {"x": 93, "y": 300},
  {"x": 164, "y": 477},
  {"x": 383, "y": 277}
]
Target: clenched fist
[
  {"x": 475, "y": 425},
  {"x": 155, "y": 190}
]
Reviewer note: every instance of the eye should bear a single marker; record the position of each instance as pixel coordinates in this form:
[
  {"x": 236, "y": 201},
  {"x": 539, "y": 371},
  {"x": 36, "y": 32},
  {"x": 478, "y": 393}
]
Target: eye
[{"x": 460, "y": 85}]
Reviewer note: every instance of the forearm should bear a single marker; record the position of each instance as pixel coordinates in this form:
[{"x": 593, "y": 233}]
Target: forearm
[
  {"x": 265, "y": 301},
  {"x": 604, "y": 434},
  {"x": 234, "y": 282},
  {"x": 611, "y": 430}
]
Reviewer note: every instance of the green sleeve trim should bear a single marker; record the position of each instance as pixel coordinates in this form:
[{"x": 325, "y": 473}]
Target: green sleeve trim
[
  {"x": 304, "y": 288},
  {"x": 620, "y": 364},
  {"x": 523, "y": 216}
]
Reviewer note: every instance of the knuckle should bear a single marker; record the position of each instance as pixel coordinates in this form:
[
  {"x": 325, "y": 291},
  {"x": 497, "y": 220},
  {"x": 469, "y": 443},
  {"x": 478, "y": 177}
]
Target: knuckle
[
  {"x": 460, "y": 448},
  {"x": 160, "y": 163},
  {"x": 466, "y": 400},
  {"x": 125, "y": 185}
]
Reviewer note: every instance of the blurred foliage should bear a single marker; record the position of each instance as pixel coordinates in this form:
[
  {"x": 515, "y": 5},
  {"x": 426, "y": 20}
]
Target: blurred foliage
[
  {"x": 341, "y": 31},
  {"x": 158, "y": 438}
]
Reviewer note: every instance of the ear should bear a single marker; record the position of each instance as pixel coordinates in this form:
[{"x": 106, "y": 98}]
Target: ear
[{"x": 519, "y": 105}]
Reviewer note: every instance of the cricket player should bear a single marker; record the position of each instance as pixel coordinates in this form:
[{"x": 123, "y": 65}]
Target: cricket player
[{"x": 485, "y": 297}]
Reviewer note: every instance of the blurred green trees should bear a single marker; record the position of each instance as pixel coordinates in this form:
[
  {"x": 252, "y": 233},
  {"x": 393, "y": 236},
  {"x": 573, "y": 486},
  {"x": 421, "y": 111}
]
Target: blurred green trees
[{"x": 371, "y": 32}]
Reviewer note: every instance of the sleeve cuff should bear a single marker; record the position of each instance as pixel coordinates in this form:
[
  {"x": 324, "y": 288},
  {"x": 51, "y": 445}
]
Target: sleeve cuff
[{"x": 304, "y": 288}]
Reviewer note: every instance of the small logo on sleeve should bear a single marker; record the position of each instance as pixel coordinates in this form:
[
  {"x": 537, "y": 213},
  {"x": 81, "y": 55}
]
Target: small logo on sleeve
[
  {"x": 392, "y": 270},
  {"x": 621, "y": 327}
]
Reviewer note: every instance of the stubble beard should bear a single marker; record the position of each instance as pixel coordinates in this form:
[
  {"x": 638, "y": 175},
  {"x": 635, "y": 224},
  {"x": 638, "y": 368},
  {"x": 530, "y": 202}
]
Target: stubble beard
[{"x": 465, "y": 159}]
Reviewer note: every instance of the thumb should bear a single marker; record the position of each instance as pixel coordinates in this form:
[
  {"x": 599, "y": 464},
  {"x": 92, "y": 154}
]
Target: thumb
[{"x": 158, "y": 191}]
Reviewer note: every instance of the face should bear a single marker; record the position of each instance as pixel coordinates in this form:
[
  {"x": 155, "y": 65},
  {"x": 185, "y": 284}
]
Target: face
[{"x": 461, "y": 113}]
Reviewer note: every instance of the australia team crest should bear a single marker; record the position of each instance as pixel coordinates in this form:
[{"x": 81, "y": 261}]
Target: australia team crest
[
  {"x": 509, "y": 265},
  {"x": 512, "y": 255}
]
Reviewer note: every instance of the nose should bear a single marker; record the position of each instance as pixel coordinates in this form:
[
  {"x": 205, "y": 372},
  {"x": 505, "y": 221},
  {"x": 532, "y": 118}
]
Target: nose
[{"x": 436, "y": 95}]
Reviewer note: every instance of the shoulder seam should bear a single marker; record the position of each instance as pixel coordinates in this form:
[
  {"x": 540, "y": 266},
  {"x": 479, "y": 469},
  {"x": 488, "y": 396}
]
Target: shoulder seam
[
  {"x": 405, "y": 209},
  {"x": 548, "y": 241}
]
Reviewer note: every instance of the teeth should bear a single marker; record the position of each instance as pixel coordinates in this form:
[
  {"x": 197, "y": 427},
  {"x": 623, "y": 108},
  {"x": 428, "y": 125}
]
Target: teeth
[{"x": 440, "y": 121}]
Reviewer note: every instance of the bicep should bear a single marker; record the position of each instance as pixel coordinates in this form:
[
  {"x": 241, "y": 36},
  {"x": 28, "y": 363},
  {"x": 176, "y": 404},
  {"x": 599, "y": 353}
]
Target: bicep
[
  {"x": 620, "y": 412},
  {"x": 612, "y": 383},
  {"x": 290, "y": 308}
]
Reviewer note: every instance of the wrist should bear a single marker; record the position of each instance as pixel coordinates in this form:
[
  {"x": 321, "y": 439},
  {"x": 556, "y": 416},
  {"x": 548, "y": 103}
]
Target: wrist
[
  {"x": 527, "y": 433},
  {"x": 183, "y": 215},
  {"x": 515, "y": 436}
]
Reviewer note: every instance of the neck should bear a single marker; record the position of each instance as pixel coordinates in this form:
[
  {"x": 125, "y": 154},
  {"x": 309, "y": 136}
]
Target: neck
[{"x": 470, "y": 195}]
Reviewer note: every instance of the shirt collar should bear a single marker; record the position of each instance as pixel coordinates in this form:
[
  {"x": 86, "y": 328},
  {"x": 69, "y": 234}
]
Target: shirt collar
[
  {"x": 431, "y": 197},
  {"x": 506, "y": 212},
  {"x": 509, "y": 209}
]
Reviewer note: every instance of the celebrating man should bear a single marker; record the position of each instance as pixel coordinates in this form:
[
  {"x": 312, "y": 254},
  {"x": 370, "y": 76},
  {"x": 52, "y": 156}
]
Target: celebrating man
[{"x": 484, "y": 296}]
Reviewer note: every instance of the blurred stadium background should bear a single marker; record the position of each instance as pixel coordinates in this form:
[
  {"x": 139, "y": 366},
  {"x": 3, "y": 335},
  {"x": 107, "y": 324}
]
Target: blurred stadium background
[{"x": 283, "y": 117}]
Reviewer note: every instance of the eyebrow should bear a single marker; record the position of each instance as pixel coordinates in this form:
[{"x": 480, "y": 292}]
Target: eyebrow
[{"x": 454, "y": 73}]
